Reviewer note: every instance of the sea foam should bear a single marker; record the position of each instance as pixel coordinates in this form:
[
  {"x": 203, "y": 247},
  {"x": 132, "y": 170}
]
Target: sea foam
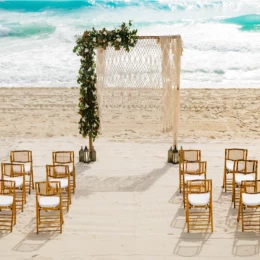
[{"x": 220, "y": 38}]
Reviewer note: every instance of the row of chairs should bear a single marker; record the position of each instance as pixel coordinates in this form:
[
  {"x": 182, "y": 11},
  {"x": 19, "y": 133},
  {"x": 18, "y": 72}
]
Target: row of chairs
[
  {"x": 239, "y": 174},
  {"x": 17, "y": 179}
]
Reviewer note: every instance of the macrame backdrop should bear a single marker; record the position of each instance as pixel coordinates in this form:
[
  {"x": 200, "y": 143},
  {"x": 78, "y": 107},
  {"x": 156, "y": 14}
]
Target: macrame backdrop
[{"x": 154, "y": 62}]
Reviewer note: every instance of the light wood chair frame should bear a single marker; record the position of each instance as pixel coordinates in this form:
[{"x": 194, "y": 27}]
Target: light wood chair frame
[
  {"x": 7, "y": 212},
  {"x": 245, "y": 167},
  {"x": 50, "y": 218},
  {"x": 199, "y": 217},
  {"x": 66, "y": 157},
  {"x": 56, "y": 173},
  {"x": 24, "y": 156},
  {"x": 249, "y": 214},
  {"x": 193, "y": 169},
  {"x": 190, "y": 156},
  {"x": 232, "y": 154},
  {"x": 8, "y": 173}
]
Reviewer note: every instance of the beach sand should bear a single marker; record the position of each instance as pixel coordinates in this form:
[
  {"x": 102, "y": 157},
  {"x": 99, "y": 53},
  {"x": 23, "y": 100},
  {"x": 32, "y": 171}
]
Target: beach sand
[{"x": 127, "y": 204}]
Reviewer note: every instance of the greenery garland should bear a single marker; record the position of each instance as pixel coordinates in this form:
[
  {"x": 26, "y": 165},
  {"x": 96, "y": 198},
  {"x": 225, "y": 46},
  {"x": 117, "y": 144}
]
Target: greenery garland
[{"x": 86, "y": 45}]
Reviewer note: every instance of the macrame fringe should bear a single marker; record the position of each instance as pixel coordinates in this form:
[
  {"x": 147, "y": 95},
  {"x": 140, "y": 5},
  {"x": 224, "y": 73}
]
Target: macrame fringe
[{"x": 154, "y": 63}]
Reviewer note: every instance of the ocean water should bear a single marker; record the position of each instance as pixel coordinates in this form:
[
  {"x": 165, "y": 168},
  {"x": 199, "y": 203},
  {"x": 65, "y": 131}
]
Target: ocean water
[{"x": 221, "y": 38}]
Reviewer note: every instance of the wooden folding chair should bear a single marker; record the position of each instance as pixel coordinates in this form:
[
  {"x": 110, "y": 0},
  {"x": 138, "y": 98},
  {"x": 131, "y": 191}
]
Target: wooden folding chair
[
  {"x": 67, "y": 158},
  {"x": 244, "y": 170},
  {"x": 25, "y": 157},
  {"x": 7, "y": 205},
  {"x": 189, "y": 156},
  {"x": 193, "y": 171},
  {"x": 15, "y": 172},
  {"x": 231, "y": 155},
  {"x": 60, "y": 173},
  {"x": 249, "y": 205},
  {"x": 199, "y": 214},
  {"x": 49, "y": 214}
]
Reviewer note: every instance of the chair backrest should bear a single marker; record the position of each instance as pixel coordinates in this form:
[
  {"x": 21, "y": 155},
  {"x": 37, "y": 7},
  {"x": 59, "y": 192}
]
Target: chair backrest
[
  {"x": 251, "y": 187},
  {"x": 57, "y": 171},
  {"x": 12, "y": 170},
  {"x": 199, "y": 186},
  {"x": 21, "y": 156},
  {"x": 236, "y": 154},
  {"x": 246, "y": 166},
  {"x": 43, "y": 188},
  {"x": 194, "y": 167},
  {"x": 63, "y": 157},
  {"x": 7, "y": 187},
  {"x": 189, "y": 155}
]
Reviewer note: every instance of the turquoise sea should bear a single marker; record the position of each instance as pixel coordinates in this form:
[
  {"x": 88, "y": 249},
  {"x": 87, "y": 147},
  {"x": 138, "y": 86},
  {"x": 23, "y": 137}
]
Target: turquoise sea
[{"x": 221, "y": 38}]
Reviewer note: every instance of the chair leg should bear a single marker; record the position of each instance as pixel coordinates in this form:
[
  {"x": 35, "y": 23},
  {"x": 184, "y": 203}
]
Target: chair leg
[
  {"x": 32, "y": 180},
  {"x": 61, "y": 219},
  {"x": 224, "y": 181},
  {"x": 14, "y": 212},
  {"x": 37, "y": 220},
  {"x": 187, "y": 219},
  {"x": 211, "y": 219}
]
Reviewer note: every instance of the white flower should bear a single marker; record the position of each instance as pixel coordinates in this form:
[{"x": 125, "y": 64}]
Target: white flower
[
  {"x": 89, "y": 69},
  {"x": 118, "y": 39},
  {"x": 86, "y": 50},
  {"x": 105, "y": 33},
  {"x": 92, "y": 77},
  {"x": 94, "y": 39},
  {"x": 132, "y": 41}
]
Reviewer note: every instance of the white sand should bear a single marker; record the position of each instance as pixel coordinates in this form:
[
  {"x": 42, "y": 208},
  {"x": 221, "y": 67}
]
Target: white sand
[{"x": 127, "y": 204}]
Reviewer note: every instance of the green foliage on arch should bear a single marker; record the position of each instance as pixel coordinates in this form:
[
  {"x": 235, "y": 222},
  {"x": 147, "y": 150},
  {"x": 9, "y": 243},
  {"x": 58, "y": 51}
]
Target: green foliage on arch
[{"x": 85, "y": 47}]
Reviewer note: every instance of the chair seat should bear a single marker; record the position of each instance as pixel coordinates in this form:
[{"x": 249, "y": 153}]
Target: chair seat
[
  {"x": 191, "y": 177},
  {"x": 6, "y": 201},
  {"x": 229, "y": 165},
  {"x": 18, "y": 181},
  {"x": 27, "y": 167},
  {"x": 48, "y": 202},
  {"x": 63, "y": 182},
  {"x": 70, "y": 167},
  {"x": 199, "y": 199},
  {"x": 239, "y": 177},
  {"x": 251, "y": 199}
]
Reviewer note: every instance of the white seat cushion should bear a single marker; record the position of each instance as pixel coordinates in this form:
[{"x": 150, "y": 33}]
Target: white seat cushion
[
  {"x": 18, "y": 181},
  {"x": 229, "y": 165},
  {"x": 239, "y": 177},
  {"x": 251, "y": 199},
  {"x": 63, "y": 182},
  {"x": 27, "y": 167},
  {"x": 48, "y": 202},
  {"x": 192, "y": 177},
  {"x": 199, "y": 199},
  {"x": 70, "y": 167},
  {"x": 6, "y": 201}
]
